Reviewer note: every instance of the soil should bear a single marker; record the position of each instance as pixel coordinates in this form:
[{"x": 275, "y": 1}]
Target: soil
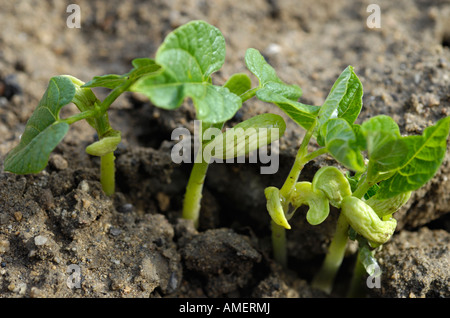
[{"x": 134, "y": 244}]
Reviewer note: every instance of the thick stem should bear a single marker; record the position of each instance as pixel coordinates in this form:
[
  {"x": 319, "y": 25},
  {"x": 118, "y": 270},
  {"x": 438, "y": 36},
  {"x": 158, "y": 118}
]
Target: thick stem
[
  {"x": 359, "y": 271},
  {"x": 324, "y": 279},
  {"x": 107, "y": 173},
  {"x": 194, "y": 188},
  {"x": 279, "y": 244}
]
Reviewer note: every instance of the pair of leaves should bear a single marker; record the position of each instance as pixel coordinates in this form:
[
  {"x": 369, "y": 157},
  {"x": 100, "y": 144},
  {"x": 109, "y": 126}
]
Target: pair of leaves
[
  {"x": 334, "y": 119},
  {"x": 188, "y": 56},
  {"x": 273, "y": 90}
]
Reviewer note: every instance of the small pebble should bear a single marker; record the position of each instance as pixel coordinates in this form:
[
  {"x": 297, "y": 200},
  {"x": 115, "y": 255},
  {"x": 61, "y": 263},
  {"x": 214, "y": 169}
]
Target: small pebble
[
  {"x": 18, "y": 216},
  {"x": 58, "y": 162},
  {"x": 40, "y": 240},
  {"x": 115, "y": 231},
  {"x": 163, "y": 201},
  {"x": 4, "y": 246},
  {"x": 125, "y": 208}
]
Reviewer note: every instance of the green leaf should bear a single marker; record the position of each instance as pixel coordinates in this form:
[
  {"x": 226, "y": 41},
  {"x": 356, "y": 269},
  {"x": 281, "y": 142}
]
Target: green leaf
[
  {"x": 340, "y": 140},
  {"x": 422, "y": 160},
  {"x": 344, "y": 100},
  {"x": 141, "y": 67},
  {"x": 238, "y": 83},
  {"x": 247, "y": 136},
  {"x": 105, "y": 145},
  {"x": 202, "y": 41},
  {"x": 266, "y": 74},
  {"x": 363, "y": 219},
  {"x": 386, "y": 148},
  {"x": 318, "y": 203},
  {"x": 387, "y": 207},
  {"x": 188, "y": 56},
  {"x": 275, "y": 208},
  {"x": 302, "y": 114},
  {"x": 273, "y": 90},
  {"x": 42, "y": 132},
  {"x": 332, "y": 182}
]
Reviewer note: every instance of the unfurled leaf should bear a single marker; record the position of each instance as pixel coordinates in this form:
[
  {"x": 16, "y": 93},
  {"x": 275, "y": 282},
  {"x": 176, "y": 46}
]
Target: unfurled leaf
[
  {"x": 238, "y": 83},
  {"x": 141, "y": 67},
  {"x": 344, "y": 100},
  {"x": 385, "y": 146},
  {"x": 189, "y": 55},
  {"x": 42, "y": 131},
  {"x": 273, "y": 90},
  {"x": 422, "y": 160},
  {"x": 302, "y": 114},
  {"x": 340, "y": 140}
]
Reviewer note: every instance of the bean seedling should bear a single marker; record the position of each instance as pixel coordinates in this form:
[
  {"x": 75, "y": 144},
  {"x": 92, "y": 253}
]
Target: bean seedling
[
  {"x": 189, "y": 56},
  {"x": 183, "y": 67},
  {"x": 380, "y": 185},
  {"x": 383, "y": 167},
  {"x": 45, "y": 129}
]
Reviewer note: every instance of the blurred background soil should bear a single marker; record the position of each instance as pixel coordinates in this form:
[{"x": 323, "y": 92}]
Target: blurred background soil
[{"x": 134, "y": 244}]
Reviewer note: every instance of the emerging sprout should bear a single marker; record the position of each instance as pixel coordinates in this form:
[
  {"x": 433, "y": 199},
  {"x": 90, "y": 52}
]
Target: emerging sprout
[
  {"x": 382, "y": 183},
  {"x": 45, "y": 129},
  {"x": 189, "y": 56}
]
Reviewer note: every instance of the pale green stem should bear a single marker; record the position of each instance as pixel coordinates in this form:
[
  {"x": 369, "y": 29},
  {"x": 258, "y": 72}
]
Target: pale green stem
[
  {"x": 194, "y": 189},
  {"x": 249, "y": 94},
  {"x": 279, "y": 244},
  {"x": 107, "y": 173},
  {"x": 301, "y": 159},
  {"x": 355, "y": 289},
  {"x": 324, "y": 279}
]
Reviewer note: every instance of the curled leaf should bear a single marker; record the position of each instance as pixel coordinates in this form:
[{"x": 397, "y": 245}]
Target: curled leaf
[
  {"x": 247, "y": 136},
  {"x": 275, "y": 208},
  {"x": 238, "y": 83},
  {"x": 332, "y": 182},
  {"x": 316, "y": 200},
  {"x": 105, "y": 145},
  {"x": 363, "y": 219}
]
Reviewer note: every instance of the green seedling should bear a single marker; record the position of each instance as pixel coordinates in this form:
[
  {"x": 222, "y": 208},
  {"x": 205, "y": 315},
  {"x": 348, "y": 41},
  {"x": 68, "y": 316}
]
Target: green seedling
[
  {"x": 189, "y": 56},
  {"x": 45, "y": 129},
  {"x": 182, "y": 69},
  {"x": 382, "y": 179}
]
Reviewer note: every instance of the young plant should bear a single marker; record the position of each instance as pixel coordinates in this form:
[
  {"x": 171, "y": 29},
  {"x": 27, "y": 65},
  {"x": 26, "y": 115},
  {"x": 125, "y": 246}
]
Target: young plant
[
  {"x": 381, "y": 183},
  {"x": 189, "y": 56},
  {"x": 45, "y": 129}
]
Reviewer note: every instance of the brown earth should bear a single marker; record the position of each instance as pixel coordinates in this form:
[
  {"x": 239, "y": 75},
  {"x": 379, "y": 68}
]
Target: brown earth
[{"x": 134, "y": 244}]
